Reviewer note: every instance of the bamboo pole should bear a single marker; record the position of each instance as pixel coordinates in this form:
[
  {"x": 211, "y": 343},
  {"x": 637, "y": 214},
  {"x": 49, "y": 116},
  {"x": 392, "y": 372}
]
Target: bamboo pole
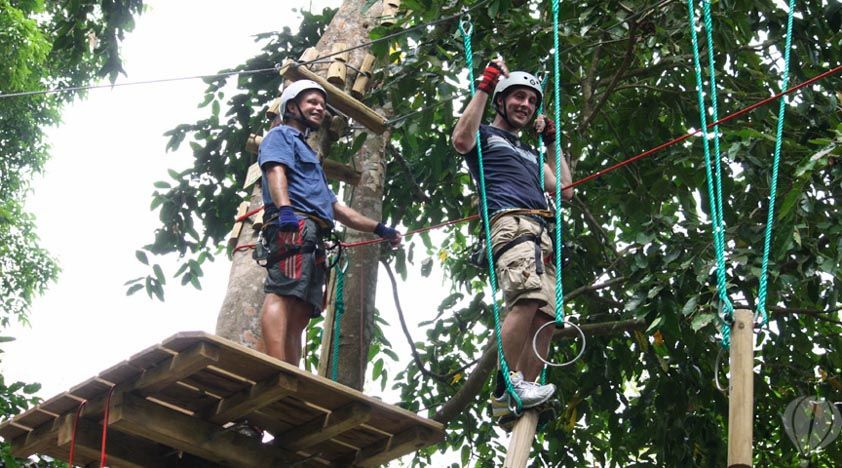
[
  {"x": 741, "y": 390},
  {"x": 338, "y": 99},
  {"x": 338, "y": 69},
  {"x": 523, "y": 435},
  {"x": 361, "y": 83}
]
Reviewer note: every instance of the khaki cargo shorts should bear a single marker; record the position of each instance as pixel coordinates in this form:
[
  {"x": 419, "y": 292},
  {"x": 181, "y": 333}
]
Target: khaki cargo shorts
[{"x": 516, "y": 267}]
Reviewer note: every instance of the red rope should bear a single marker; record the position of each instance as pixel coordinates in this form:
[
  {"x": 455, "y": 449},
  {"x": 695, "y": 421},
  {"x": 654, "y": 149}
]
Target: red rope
[
  {"x": 105, "y": 426},
  {"x": 248, "y": 215},
  {"x": 602, "y": 172},
  {"x": 634, "y": 158},
  {"x": 75, "y": 430}
]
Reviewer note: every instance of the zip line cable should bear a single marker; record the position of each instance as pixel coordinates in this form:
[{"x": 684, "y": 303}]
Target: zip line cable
[
  {"x": 637, "y": 157},
  {"x": 133, "y": 83},
  {"x": 246, "y": 72}
]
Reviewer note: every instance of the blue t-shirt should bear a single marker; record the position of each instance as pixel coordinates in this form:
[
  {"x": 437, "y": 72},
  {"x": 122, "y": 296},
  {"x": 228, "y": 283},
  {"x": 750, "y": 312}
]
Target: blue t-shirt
[
  {"x": 306, "y": 182},
  {"x": 511, "y": 171}
]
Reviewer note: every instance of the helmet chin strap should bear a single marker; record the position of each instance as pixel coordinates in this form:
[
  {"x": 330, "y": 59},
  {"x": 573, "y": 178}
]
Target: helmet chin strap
[
  {"x": 502, "y": 112},
  {"x": 308, "y": 126}
]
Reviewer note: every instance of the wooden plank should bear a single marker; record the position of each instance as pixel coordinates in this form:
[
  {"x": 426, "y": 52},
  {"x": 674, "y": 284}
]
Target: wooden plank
[
  {"x": 399, "y": 445},
  {"x": 254, "y": 173},
  {"x": 38, "y": 440},
  {"x": 523, "y": 436},
  {"x": 319, "y": 391},
  {"x": 61, "y": 403},
  {"x": 122, "y": 450},
  {"x": 120, "y": 372},
  {"x": 10, "y": 431},
  {"x": 150, "y": 356},
  {"x": 157, "y": 423},
  {"x": 741, "y": 390},
  {"x": 90, "y": 388},
  {"x": 178, "y": 367},
  {"x": 217, "y": 382},
  {"x": 253, "y": 398},
  {"x": 322, "y": 429},
  {"x": 338, "y": 99},
  {"x": 35, "y": 417},
  {"x": 187, "y": 398}
]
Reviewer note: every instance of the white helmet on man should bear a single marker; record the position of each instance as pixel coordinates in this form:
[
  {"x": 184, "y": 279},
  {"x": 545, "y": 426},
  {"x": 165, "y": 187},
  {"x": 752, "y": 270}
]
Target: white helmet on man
[
  {"x": 292, "y": 92},
  {"x": 518, "y": 78}
]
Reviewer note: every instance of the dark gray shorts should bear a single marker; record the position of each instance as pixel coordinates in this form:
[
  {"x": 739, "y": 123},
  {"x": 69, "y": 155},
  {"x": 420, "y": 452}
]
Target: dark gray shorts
[{"x": 301, "y": 274}]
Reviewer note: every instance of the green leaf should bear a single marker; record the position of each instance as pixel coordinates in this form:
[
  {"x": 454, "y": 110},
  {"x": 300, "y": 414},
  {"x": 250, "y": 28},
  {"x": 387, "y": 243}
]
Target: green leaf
[
  {"x": 701, "y": 320},
  {"x": 162, "y": 184},
  {"x": 141, "y": 255},
  {"x": 159, "y": 274},
  {"x": 134, "y": 289}
]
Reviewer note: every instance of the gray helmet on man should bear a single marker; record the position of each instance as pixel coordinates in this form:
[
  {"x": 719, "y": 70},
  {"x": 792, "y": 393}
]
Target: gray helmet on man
[{"x": 292, "y": 92}]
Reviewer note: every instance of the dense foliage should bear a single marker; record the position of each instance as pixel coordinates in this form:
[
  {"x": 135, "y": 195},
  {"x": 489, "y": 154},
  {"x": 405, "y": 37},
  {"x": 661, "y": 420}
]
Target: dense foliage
[
  {"x": 638, "y": 398},
  {"x": 43, "y": 45}
]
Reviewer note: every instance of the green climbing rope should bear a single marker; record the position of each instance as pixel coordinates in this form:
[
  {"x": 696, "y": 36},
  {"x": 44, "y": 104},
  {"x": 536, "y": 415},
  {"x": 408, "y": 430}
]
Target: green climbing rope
[
  {"x": 559, "y": 293},
  {"x": 714, "y": 181},
  {"x": 770, "y": 218},
  {"x": 465, "y": 28},
  {"x": 338, "y": 312}
]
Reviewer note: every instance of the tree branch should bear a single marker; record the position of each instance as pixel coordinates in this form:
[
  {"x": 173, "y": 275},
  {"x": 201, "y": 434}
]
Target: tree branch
[
  {"x": 444, "y": 378},
  {"x": 613, "y": 83},
  {"x": 417, "y": 192}
]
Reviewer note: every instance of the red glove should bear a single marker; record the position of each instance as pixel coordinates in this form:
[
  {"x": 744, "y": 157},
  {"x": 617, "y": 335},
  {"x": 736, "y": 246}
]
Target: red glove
[
  {"x": 489, "y": 78},
  {"x": 548, "y": 134}
]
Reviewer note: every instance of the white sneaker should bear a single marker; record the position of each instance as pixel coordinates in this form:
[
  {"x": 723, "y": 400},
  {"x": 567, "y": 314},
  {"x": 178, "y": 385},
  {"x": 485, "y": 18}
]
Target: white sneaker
[{"x": 530, "y": 393}]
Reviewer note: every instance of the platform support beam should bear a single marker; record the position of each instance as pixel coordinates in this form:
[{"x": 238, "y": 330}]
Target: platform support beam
[
  {"x": 322, "y": 429},
  {"x": 523, "y": 435},
  {"x": 152, "y": 421},
  {"x": 397, "y": 446},
  {"x": 254, "y": 398},
  {"x": 338, "y": 99},
  {"x": 741, "y": 390}
]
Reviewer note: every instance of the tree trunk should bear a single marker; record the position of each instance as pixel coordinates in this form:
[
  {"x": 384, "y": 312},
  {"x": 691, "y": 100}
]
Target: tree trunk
[
  {"x": 351, "y": 27},
  {"x": 239, "y": 316}
]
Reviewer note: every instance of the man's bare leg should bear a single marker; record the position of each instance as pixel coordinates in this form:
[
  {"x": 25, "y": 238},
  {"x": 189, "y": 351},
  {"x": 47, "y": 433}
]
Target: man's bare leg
[
  {"x": 283, "y": 320},
  {"x": 515, "y": 329},
  {"x": 528, "y": 363}
]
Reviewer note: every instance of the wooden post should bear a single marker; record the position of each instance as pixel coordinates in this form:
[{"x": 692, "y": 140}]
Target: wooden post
[
  {"x": 523, "y": 435},
  {"x": 741, "y": 390},
  {"x": 361, "y": 83},
  {"x": 390, "y": 11},
  {"x": 337, "y": 98},
  {"x": 338, "y": 68}
]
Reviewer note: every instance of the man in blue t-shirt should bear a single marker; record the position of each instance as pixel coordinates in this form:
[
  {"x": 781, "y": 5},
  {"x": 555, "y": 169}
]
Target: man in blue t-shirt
[
  {"x": 299, "y": 211},
  {"x": 523, "y": 250}
]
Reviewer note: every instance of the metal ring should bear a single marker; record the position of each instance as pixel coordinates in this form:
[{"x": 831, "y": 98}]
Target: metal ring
[
  {"x": 563, "y": 364},
  {"x": 716, "y": 371}
]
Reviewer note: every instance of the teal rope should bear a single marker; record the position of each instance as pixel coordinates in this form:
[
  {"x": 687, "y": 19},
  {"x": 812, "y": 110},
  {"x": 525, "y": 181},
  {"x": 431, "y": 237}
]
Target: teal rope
[
  {"x": 541, "y": 141},
  {"x": 559, "y": 294},
  {"x": 770, "y": 218},
  {"x": 338, "y": 312},
  {"x": 715, "y": 203},
  {"x": 492, "y": 277}
]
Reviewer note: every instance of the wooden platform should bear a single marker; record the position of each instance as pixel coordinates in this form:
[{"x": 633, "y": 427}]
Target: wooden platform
[{"x": 173, "y": 402}]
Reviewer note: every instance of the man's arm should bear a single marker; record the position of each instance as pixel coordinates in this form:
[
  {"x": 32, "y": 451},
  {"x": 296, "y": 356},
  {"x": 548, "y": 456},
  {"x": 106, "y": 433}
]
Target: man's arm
[
  {"x": 356, "y": 220},
  {"x": 546, "y": 129},
  {"x": 464, "y": 136},
  {"x": 353, "y": 218},
  {"x": 276, "y": 177}
]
